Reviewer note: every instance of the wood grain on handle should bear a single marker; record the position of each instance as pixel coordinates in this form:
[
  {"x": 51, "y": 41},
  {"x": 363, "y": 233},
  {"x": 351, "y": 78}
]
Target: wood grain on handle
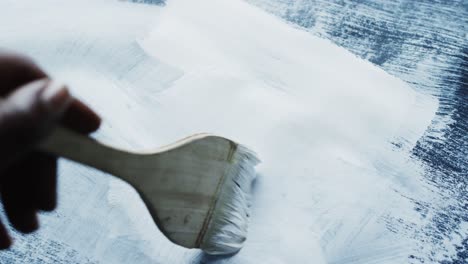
[
  {"x": 83, "y": 149},
  {"x": 179, "y": 183}
]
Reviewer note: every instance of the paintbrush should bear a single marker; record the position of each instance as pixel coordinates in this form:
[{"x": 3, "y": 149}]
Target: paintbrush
[{"x": 197, "y": 189}]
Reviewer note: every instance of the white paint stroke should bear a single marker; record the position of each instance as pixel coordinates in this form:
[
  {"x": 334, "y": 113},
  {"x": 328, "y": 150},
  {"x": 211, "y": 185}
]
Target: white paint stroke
[{"x": 321, "y": 120}]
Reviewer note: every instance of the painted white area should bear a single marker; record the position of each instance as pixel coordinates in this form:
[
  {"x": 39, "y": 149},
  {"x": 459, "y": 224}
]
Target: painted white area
[{"x": 331, "y": 183}]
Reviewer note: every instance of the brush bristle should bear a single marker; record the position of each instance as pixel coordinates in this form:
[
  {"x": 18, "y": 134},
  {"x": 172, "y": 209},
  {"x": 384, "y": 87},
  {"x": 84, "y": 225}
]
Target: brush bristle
[{"x": 227, "y": 230}]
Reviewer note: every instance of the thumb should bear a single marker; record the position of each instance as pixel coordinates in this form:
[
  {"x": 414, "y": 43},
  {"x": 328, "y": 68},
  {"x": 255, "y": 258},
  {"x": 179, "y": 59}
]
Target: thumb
[{"x": 27, "y": 115}]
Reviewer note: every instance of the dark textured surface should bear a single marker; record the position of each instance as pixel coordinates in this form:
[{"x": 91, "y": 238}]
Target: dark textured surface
[
  {"x": 421, "y": 42},
  {"x": 425, "y": 44},
  {"x": 152, "y": 2}
]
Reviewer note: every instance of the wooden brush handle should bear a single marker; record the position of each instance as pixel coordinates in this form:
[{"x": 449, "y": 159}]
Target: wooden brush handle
[
  {"x": 83, "y": 149},
  {"x": 187, "y": 186}
]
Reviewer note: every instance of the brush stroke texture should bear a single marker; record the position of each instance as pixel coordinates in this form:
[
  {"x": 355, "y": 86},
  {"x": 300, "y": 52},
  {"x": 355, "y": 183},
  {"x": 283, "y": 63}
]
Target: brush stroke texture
[
  {"x": 344, "y": 196},
  {"x": 424, "y": 43}
]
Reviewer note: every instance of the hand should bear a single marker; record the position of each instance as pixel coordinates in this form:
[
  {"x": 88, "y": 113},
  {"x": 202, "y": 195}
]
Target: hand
[{"x": 30, "y": 106}]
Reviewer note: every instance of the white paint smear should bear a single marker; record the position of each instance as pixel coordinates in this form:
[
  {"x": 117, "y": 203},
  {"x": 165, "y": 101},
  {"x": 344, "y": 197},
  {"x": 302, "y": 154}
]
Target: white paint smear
[{"x": 325, "y": 124}]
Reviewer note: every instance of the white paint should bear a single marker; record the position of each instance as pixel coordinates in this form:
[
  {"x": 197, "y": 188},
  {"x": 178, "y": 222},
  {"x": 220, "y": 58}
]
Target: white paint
[{"x": 321, "y": 120}]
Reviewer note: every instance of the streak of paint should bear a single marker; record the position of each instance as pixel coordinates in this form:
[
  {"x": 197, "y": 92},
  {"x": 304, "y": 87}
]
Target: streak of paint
[
  {"x": 341, "y": 175},
  {"x": 425, "y": 44}
]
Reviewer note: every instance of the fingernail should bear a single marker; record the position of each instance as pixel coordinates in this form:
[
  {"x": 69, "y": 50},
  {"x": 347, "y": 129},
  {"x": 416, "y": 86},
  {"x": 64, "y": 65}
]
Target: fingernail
[{"x": 55, "y": 96}]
